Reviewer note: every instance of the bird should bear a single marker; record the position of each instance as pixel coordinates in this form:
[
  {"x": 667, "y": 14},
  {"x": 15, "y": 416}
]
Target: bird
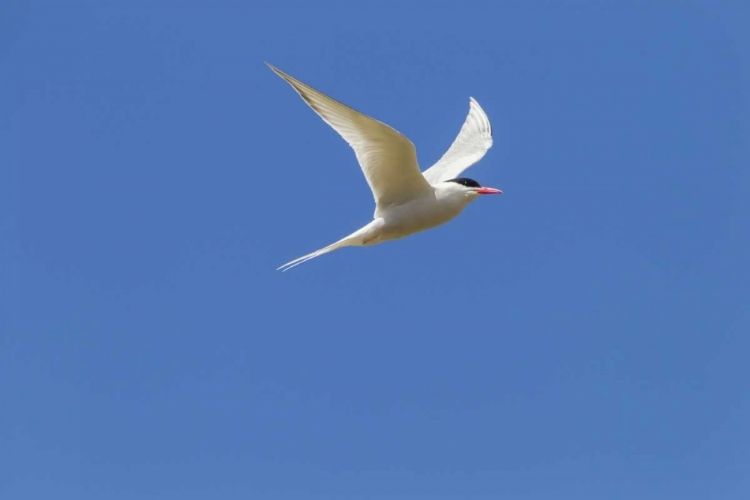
[{"x": 407, "y": 200}]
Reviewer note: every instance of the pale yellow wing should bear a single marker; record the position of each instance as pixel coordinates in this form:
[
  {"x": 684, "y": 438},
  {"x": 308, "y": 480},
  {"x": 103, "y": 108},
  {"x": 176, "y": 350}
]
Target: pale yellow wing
[{"x": 388, "y": 159}]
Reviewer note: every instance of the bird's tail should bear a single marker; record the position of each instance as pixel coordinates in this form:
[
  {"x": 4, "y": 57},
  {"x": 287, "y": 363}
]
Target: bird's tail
[{"x": 345, "y": 242}]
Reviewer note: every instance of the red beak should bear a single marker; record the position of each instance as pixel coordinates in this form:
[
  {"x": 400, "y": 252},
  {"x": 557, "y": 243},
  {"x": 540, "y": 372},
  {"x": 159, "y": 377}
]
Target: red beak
[{"x": 486, "y": 190}]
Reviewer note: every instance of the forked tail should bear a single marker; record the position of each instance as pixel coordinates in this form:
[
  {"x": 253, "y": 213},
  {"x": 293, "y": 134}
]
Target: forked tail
[{"x": 348, "y": 241}]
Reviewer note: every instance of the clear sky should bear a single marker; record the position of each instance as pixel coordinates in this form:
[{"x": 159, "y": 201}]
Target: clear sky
[{"x": 584, "y": 336}]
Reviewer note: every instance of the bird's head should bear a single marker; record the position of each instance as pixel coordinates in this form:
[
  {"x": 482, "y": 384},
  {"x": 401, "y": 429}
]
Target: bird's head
[{"x": 467, "y": 187}]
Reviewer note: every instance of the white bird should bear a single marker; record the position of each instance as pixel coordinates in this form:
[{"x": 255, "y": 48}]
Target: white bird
[{"x": 406, "y": 200}]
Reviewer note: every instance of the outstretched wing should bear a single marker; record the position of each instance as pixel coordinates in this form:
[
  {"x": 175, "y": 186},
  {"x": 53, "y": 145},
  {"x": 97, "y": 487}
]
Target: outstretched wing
[
  {"x": 473, "y": 141},
  {"x": 388, "y": 159}
]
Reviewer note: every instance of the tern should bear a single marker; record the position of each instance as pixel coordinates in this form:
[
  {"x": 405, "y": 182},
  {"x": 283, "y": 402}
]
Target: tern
[{"x": 407, "y": 201}]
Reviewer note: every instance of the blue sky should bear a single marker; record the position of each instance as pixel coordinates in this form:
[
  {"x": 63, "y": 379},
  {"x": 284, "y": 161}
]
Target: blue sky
[{"x": 585, "y": 335}]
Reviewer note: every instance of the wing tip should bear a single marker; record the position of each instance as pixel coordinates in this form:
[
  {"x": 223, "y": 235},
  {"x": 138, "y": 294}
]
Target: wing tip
[
  {"x": 274, "y": 69},
  {"x": 474, "y": 104}
]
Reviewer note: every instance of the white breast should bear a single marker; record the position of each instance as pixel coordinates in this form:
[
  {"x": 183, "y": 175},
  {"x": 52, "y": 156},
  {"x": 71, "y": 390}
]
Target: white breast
[{"x": 421, "y": 213}]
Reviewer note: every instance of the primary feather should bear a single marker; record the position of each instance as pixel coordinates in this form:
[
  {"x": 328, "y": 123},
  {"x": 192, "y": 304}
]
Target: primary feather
[{"x": 471, "y": 144}]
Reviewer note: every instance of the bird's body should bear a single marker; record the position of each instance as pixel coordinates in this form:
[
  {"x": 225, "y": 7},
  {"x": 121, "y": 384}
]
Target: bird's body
[
  {"x": 436, "y": 207},
  {"x": 407, "y": 200}
]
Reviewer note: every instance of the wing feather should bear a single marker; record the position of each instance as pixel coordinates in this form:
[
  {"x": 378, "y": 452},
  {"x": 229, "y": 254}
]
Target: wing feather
[
  {"x": 471, "y": 144},
  {"x": 388, "y": 159}
]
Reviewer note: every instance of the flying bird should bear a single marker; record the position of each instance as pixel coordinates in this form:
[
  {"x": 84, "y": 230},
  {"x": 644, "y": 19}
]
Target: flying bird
[{"x": 406, "y": 200}]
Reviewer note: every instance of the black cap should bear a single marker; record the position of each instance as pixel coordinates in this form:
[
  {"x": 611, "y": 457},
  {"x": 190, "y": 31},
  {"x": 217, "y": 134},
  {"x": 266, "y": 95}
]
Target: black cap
[{"x": 465, "y": 181}]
